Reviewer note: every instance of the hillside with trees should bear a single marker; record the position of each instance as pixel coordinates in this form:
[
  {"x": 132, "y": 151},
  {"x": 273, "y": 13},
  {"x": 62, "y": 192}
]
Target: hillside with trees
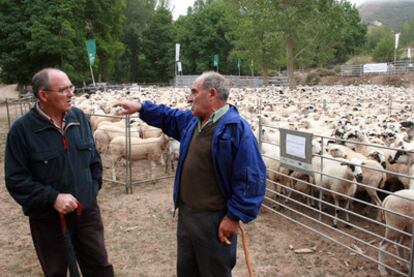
[{"x": 390, "y": 13}]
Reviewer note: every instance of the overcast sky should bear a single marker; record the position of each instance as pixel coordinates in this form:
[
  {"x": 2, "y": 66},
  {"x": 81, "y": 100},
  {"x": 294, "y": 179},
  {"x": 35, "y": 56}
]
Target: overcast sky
[{"x": 180, "y": 6}]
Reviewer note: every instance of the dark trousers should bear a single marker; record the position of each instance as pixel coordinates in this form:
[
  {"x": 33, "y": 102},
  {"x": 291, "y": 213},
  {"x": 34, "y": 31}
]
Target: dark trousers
[
  {"x": 199, "y": 251},
  {"x": 88, "y": 240}
]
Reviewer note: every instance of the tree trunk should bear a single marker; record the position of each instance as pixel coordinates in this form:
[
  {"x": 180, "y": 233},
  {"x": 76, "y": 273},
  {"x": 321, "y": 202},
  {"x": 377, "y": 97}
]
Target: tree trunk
[
  {"x": 290, "y": 62},
  {"x": 265, "y": 74}
]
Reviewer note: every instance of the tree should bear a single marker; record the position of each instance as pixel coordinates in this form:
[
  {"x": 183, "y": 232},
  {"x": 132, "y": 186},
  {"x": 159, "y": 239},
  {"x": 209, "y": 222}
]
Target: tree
[
  {"x": 55, "y": 37},
  {"x": 255, "y": 40},
  {"x": 157, "y": 57},
  {"x": 384, "y": 51},
  {"x": 104, "y": 22},
  {"x": 14, "y": 31},
  {"x": 407, "y": 34},
  {"x": 376, "y": 35},
  {"x": 352, "y": 32},
  {"x": 40, "y": 33},
  {"x": 137, "y": 15},
  {"x": 203, "y": 34}
]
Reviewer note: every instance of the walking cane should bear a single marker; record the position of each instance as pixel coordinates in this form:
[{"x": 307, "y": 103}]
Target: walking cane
[
  {"x": 245, "y": 250},
  {"x": 70, "y": 250}
]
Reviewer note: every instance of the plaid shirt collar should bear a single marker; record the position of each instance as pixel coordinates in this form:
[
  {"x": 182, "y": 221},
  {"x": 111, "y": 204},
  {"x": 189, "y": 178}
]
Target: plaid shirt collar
[{"x": 42, "y": 113}]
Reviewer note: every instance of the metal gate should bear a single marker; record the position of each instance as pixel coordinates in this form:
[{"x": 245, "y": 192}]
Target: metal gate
[{"x": 299, "y": 197}]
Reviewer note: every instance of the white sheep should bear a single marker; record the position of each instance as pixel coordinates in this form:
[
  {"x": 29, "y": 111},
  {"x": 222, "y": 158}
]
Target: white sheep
[
  {"x": 344, "y": 169},
  {"x": 151, "y": 149},
  {"x": 373, "y": 176},
  {"x": 395, "y": 205}
]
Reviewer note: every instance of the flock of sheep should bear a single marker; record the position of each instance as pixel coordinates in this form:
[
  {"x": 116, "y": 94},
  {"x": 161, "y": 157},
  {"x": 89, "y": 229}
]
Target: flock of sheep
[{"x": 363, "y": 140}]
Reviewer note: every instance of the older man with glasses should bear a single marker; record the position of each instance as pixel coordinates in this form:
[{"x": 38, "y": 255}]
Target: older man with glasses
[{"x": 53, "y": 169}]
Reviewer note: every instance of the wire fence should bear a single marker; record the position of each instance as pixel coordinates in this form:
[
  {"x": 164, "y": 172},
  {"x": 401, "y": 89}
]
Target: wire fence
[
  {"x": 393, "y": 68},
  {"x": 312, "y": 200}
]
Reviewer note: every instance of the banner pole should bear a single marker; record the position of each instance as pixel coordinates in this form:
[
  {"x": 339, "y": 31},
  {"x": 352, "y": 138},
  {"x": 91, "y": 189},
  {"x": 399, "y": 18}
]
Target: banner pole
[{"x": 93, "y": 79}]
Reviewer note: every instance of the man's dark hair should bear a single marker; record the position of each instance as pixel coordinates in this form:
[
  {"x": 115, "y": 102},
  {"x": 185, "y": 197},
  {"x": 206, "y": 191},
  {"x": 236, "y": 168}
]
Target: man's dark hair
[
  {"x": 40, "y": 81},
  {"x": 215, "y": 80}
]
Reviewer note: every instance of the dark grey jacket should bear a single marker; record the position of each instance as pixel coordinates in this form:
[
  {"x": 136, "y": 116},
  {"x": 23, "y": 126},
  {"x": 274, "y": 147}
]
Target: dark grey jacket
[{"x": 41, "y": 162}]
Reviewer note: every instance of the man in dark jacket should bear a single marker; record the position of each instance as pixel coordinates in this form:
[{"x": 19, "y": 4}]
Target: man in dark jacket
[
  {"x": 220, "y": 176},
  {"x": 52, "y": 167}
]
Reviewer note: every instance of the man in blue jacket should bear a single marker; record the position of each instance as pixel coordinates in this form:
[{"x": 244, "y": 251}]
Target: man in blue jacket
[
  {"x": 220, "y": 178},
  {"x": 51, "y": 167}
]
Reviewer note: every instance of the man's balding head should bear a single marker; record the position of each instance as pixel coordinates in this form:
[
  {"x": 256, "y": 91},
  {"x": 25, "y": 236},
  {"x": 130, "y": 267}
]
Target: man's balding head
[
  {"x": 41, "y": 80},
  {"x": 215, "y": 80}
]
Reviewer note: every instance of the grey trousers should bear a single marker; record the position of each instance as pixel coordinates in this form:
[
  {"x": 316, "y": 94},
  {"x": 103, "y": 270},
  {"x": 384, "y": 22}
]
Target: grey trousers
[{"x": 199, "y": 251}]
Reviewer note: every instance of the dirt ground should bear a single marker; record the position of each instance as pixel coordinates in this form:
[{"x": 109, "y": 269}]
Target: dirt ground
[{"x": 140, "y": 237}]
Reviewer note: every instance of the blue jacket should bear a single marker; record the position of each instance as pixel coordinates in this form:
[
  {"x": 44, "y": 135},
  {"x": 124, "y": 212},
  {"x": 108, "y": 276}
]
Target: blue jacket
[
  {"x": 39, "y": 164},
  {"x": 239, "y": 167}
]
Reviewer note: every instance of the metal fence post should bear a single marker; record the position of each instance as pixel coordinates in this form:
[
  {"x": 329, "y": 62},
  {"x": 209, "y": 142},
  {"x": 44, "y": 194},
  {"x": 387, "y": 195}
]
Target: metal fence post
[
  {"x": 260, "y": 133},
  {"x": 128, "y": 177},
  {"x": 411, "y": 272},
  {"x": 8, "y": 112},
  {"x": 321, "y": 181},
  {"x": 389, "y": 105}
]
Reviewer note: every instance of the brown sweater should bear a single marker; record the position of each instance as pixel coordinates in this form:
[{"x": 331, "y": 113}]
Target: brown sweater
[{"x": 198, "y": 187}]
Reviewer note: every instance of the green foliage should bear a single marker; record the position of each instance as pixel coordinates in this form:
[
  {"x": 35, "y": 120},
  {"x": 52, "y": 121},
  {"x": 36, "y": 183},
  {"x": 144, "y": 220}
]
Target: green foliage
[
  {"x": 384, "y": 51},
  {"x": 40, "y": 33},
  {"x": 158, "y": 51},
  {"x": 377, "y": 34},
  {"x": 14, "y": 31},
  {"x": 407, "y": 33},
  {"x": 352, "y": 33},
  {"x": 137, "y": 15},
  {"x": 255, "y": 40},
  {"x": 314, "y": 33},
  {"x": 202, "y": 34}
]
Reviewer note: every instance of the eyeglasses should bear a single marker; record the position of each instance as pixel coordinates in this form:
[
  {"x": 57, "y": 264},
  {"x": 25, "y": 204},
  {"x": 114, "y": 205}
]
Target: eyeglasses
[{"x": 65, "y": 90}]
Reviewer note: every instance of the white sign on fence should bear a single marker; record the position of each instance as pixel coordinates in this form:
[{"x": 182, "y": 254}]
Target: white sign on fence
[
  {"x": 296, "y": 150},
  {"x": 375, "y": 68}
]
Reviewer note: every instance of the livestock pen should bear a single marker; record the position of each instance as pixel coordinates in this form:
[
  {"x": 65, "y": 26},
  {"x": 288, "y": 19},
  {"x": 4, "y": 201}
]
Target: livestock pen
[{"x": 285, "y": 198}]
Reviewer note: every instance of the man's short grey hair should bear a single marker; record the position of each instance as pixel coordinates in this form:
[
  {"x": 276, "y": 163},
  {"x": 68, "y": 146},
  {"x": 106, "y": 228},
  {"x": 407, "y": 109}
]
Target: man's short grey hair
[
  {"x": 215, "y": 80},
  {"x": 41, "y": 81}
]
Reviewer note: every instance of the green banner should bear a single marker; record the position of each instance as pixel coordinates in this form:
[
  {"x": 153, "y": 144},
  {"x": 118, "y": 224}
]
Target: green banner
[
  {"x": 91, "y": 48},
  {"x": 238, "y": 63},
  {"x": 216, "y": 60}
]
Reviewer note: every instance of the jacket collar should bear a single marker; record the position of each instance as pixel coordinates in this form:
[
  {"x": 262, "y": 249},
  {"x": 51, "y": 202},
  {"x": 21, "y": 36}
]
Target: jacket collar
[
  {"x": 232, "y": 116},
  {"x": 39, "y": 122}
]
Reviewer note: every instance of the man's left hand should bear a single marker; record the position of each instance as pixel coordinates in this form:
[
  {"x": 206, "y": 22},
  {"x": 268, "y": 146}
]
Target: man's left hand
[{"x": 228, "y": 227}]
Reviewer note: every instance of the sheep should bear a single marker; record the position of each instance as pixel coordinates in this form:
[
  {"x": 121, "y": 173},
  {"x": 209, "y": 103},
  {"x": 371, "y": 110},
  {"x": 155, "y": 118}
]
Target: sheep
[
  {"x": 382, "y": 156},
  {"x": 405, "y": 156},
  {"x": 344, "y": 169},
  {"x": 402, "y": 203},
  {"x": 372, "y": 173},
  {"x": 359, "y": 136},
  {"x": 147, "y": 131},
  {"x": 105, "y": 133},
  {"x": 151, "y": 149},
  {"x": 173, "y": 153}
]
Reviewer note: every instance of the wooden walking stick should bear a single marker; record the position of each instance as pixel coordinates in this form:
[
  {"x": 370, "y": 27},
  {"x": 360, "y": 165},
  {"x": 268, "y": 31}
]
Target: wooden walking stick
[{"x": 245, "y": 250}]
